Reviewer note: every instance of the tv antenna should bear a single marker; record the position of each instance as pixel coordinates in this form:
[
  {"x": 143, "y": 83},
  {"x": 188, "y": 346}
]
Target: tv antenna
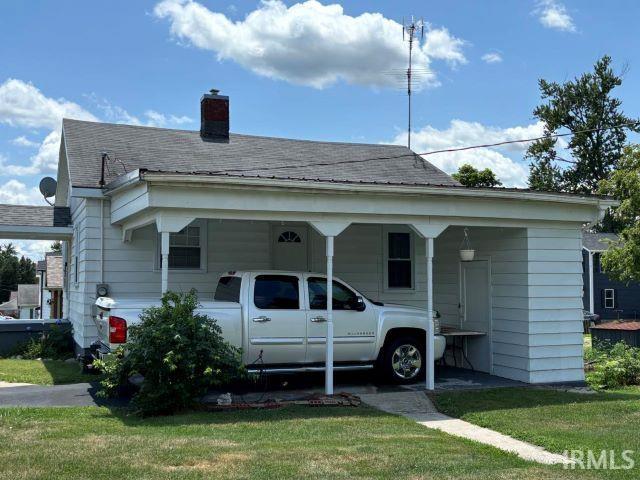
[{"x": 411, "y": 30}]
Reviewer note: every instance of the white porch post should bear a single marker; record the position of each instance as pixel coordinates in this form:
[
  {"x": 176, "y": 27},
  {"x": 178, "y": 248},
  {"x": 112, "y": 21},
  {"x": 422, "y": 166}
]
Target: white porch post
[
  {"x": 591, "y": 302},
  {"x": 329, "y": 229},
  {"x": 429, "y": 351},
  {"x": 429, "y": 231},
  {"x": 166, "y": 224},
  {"x": 328, "y": 373},
  {"x": 164, "y": 252}
]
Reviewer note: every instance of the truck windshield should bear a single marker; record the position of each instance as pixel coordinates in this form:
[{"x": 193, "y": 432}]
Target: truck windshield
[{"x": 228, "y": 289}]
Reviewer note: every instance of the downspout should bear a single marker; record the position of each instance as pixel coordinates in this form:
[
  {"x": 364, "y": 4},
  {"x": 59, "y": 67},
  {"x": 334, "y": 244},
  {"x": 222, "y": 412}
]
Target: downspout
[
  {"x": 591, "y": 302},
  {"x": 102, "y": 240},
  {"x": 42, "y": 273}
]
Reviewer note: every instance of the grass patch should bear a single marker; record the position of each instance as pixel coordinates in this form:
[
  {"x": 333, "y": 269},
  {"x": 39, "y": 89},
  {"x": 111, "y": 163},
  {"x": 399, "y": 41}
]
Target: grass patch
[
  {"x": 43, "y": 372},
  {"x": 295, "y": 442},
  {"x": 556, "y": 420}
]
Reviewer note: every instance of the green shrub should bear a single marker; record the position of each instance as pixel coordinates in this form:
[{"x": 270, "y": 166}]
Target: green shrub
[
  {"x": 180, "y": 354},
  {"x": 56, "y": 344},
  {"x": 615, "y": 366},
  {"x": 115, "y": 375}
]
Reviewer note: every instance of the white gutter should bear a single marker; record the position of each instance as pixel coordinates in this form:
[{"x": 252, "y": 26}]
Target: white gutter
[{"x": 188, "y": 179}]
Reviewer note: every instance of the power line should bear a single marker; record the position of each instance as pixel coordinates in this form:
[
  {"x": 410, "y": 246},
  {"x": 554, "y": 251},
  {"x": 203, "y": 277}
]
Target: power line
[{"x": 424, "y": 154}]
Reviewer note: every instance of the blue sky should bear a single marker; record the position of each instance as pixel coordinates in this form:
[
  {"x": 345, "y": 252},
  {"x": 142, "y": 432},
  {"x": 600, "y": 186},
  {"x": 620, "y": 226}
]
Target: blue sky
[{"x": 302, "y": 70}]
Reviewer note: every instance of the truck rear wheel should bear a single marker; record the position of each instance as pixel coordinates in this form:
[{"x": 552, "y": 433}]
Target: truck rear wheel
[{"x": 403, "y": 360}]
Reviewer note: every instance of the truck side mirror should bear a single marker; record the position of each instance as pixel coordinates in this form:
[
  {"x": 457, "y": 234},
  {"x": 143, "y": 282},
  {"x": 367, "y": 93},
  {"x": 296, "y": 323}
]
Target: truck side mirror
[{"x": 359, "y": 305}]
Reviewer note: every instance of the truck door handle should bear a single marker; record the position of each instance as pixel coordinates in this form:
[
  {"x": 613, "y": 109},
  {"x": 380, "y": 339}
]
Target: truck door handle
[
  {"x": 261, "y": 319},
  {"x": 318, "y": 319}
]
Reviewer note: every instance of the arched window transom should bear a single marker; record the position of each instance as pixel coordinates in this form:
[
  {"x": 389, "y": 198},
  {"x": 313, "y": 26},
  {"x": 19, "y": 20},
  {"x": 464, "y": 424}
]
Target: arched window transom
[{"x": 289, "y": 237}]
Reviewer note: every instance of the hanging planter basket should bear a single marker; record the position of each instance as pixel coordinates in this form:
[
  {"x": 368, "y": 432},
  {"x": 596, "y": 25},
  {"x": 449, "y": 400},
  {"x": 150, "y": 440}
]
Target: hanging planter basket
[
  {"x": 466, "y": 255},
  {"x": 466, "y": 252}
]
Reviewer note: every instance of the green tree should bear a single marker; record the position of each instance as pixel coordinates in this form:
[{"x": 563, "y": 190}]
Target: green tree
[
  {"x": 26, "y": 271},
  {"x": 622, "y": 260},
  {"x": 469, "y": 176},
  {"x": 585, "y": 107},
  {"x": 14, "y": 271},
  {"x": 8, "y": 271},
  {"x": 56, "y": 246}
]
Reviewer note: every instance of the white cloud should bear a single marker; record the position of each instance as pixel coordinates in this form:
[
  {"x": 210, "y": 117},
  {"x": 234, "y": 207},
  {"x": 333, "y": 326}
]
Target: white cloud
[
  {"x": 309, "y": 43},
  {"x": 33, "y": 249},
  {"x": 460, "y": 133},
  {"x": 14, "y": 192},
  {"x": 553, "y": 14},
  {"x": 23, "y": 141},
  {"x": 441, "y": 45},
  {"x": 23, "y": 105},
  {"x": 157, "y": 119},
  {"x": 492, "y": 57},
  {"x": 151, "y": 118},
  {"x": 17, "y": 193}
]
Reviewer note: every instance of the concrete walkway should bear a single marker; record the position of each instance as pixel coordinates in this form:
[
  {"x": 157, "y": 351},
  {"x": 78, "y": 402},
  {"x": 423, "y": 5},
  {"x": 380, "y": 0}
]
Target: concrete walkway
[
  {"x": 11, "y": 384},
  {"x": 417, "y": 406}
]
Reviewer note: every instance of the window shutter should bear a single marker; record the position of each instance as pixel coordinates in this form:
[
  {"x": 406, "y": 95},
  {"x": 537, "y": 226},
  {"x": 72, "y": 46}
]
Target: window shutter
[
  {"x": 602, "y": 298},
  {"x": 615, "y": 299}
]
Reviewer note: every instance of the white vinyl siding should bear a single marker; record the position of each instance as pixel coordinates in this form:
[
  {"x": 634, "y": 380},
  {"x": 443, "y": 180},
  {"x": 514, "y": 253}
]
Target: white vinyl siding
[
  {"x": 536, "y": 297},
  {"x": 536, "y": 279}
]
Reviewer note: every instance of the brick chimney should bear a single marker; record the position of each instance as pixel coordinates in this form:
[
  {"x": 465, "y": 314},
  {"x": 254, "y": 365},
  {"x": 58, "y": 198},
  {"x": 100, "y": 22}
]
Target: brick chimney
[{"x": 214, "y": 116}]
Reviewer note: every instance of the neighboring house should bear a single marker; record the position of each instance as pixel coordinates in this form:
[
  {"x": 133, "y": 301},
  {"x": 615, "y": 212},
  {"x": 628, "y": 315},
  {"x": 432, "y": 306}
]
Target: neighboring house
[
  {"x": 155, "y": 209},
  {"x": 28, "y": 301},
  {"x": 606, "y": 297},
  {"x": 24, "y": 303},
  {"x": 10, "y": 307},
  {"x": 51, "y": 276}
]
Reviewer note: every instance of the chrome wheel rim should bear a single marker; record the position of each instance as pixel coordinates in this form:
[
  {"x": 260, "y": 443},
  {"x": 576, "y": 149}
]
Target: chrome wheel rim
[{"x": 406, "y": 362}]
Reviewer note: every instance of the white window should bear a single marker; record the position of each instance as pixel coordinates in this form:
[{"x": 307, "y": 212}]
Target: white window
[
  {"x": 399, "y": 269},
  {"x": 609, "y": 298},
  {"x": 187, "y": 248}
]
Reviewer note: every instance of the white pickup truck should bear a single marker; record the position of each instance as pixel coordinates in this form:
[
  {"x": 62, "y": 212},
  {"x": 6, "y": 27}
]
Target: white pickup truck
[{"x": 278, "y": 319}]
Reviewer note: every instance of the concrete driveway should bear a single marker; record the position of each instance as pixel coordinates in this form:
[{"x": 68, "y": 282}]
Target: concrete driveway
[
  {"x": 73, "y": 395},
  {"x": 283, "y": 387}
]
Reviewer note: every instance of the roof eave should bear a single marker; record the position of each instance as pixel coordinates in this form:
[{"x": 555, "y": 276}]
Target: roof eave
[{"x": 208, "y": 179}]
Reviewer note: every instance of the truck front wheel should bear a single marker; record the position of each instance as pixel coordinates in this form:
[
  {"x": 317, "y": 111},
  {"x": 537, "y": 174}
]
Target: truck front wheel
[{"x": 403, "y": 360}]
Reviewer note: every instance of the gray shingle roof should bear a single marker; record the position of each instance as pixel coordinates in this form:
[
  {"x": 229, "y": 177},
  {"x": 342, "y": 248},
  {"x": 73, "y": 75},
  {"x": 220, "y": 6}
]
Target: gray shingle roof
[
  {"x": 159, "y": 149},
  {"x": 34, "y": 216},
  {"x": 597, "y": 242},
  {"x": 28, "y": 295}
]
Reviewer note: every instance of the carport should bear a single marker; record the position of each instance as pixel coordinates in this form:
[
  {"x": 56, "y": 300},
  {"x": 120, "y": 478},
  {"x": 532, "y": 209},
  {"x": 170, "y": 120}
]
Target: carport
[
  {"x": 31, "y": 222},
  {"x": 35, "y": 222}
]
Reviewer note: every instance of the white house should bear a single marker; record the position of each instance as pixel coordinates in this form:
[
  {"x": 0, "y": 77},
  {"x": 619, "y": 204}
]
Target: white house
[{"x": 208, "y": 201}]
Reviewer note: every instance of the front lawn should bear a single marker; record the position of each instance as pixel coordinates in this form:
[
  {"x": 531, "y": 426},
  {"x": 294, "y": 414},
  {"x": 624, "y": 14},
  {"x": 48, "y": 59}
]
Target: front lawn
[
  {"x": 295, "y": 442},
  {"x": 556, "y": 420},
  {"x": 42, "y": 372}
]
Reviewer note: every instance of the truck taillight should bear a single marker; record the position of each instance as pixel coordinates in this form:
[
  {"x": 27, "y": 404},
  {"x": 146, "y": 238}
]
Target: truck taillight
[{"x": 117, "y": 330}]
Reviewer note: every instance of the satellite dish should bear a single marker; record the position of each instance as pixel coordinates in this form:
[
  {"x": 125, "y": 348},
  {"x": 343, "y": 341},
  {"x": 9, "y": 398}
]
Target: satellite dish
[{"x": 48, "y": 187}]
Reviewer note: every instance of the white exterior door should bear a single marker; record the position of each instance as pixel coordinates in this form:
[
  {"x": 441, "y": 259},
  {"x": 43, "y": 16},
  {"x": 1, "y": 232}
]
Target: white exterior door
[
  {"x": 277, "y": 319},
  {"x": 475, "y": 308},
  {"x": 290, "y": 251},
  {"x": 354, "y": 332}
]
